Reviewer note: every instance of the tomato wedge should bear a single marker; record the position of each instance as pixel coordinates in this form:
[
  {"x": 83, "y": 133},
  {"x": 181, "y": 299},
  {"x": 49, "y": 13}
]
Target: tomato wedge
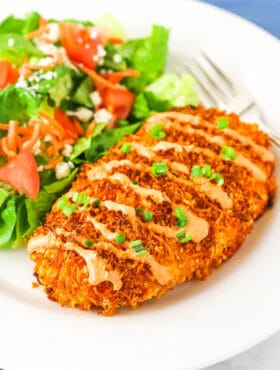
[
  {"x": 8, "y": 74},
  {"x": 119, "y": 101},
  {"x": 82, "y": 43},
  {"x": 21, "y": 173}
]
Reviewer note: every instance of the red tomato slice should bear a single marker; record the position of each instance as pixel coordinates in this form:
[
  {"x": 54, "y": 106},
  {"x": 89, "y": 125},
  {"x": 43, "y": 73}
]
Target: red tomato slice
[
  {"x": 21, "y": 173},
  {"x": 8, "y": 74},
  {"x": 81, "y": 43},
  {"x": 119, "y": 101}
]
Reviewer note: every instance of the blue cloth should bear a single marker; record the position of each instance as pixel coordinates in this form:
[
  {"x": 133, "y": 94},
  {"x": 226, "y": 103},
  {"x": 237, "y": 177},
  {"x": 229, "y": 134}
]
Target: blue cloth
[{"x": 264, "y": 13}]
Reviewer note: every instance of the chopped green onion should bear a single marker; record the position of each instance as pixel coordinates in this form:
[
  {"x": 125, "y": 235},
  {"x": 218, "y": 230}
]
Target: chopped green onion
[
  {"x": 222, "y": 123},
  {"x": 81, "y": 198},
  {"x": 196, "y": 171},
  {"x": 181, "y": 216},
  {"x": 183, "y": 237},
  {"x": 120, "y": 238},
  {"x": 66, "y": 207},
  {"x": 62, "y": 202},
  {"x": 88, "y": 243},
  {"x": 148, "y": 216},
  {"x": 96, "y": 203},
  {"x": 138, "y": 247},
  {"x": 136, "y": 182},
  {"x": 206, "y": 171},
  {"x": 139, "y": 210},
  {"x": 159, "y": 168},
  {"x": 228, "y": 153},
  {"x": 218, "y": 178},
  {"x": 125, "y": 148},
  {"x": 157, "y": 132}
]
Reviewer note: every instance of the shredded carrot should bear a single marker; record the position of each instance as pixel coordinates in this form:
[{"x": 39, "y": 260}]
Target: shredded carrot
[
  {"x": 42, "y": 22},
  {"x": 116, "y": 77},
  {"x": 115, "y": 40},
  {"x": 34, "y": 138},
  {"x": 78, "y": 126},
  {"x": 37, "y": 33},
  {"x": 12, "y": 136},
  {"x": 5, "y": 147},
  {"x": 98, "y": 81},
  {"x": 90, "y": 128},
  {"x": 53, "y": 163}
]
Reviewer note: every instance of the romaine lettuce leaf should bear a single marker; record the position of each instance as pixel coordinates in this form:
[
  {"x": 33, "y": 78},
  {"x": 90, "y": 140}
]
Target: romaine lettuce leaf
[
  {"x": 8, "y": 218},
  {"x": 18, "y": 104},
  {"x": 170, "y": 90},
  {"x": 14, "y": 48},
  {"x": 20, "y": 26},
  {"x": 81, "y": 95},
  {"x": 102, "y": 142},
  {"x": 110, "y": 25},
  {"x": 148, "y": 56}
]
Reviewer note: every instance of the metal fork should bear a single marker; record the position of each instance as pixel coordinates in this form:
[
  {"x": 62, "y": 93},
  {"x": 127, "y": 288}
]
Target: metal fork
[{"x": 217, "y": 89}]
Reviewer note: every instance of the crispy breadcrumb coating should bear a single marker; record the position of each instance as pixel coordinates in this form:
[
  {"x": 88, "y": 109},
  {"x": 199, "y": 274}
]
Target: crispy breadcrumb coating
[{"x": 125, "y": 277}]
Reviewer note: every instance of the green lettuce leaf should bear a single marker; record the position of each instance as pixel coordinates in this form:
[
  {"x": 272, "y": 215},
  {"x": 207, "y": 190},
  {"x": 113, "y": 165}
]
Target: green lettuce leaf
[
  {"x": 81, "y": 94},
  {"x": 111, "y": 25},
  {"x": 20, "y": 26},
  {"x": 170, "y": 90},
  {"x": 148, "y": 56},
  {"x": 59, "y": 186},
  {"x": 102, "y": 142},
  {"x": 8, "y": 218},
  {"x": 14, "y": 48},
  {"x": 18, "y": 104}
]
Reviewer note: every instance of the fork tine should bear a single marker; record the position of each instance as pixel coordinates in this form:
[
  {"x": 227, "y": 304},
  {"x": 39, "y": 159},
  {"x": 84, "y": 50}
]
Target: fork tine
[
  {"x": 221, "y": 93},
  {"x": 206, "y": 91},
  {"x": 219, "y": 72}
]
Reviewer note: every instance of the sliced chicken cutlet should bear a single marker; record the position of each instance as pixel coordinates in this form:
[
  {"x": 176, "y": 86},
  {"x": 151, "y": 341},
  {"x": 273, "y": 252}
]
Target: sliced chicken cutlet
[{"x": 166, "y": 205}]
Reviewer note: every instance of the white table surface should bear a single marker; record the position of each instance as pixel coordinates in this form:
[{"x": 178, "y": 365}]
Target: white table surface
[{"x": 264, "y": 356}]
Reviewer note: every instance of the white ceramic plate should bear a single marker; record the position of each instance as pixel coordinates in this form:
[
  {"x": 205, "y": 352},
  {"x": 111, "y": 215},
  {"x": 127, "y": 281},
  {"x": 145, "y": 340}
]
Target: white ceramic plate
[{"x": 194, "y": 325}]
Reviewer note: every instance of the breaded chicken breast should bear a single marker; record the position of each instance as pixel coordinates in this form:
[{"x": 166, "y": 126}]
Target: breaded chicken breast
[{"x": 164, "y": 206}]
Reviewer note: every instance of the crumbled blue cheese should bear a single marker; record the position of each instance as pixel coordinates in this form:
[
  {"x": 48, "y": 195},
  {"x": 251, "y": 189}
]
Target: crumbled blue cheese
[
  {"x": 93, "y": 34},
  {"x": 48, "y": 138},
  {"x": 66, "y": 152},
  {"x": 102, "y": 116},
  {"x": 101, "y": 52},
  {"x": 11, "y": 42},
  {"x": 83, "y": 114},
  {"x": 63, "y": 170},
  {"x": 45, "y": 47},
  {"x": 117, "y": 58},
  {"x": 53, "y": 32},
  {"x": 95, "y": 98}
]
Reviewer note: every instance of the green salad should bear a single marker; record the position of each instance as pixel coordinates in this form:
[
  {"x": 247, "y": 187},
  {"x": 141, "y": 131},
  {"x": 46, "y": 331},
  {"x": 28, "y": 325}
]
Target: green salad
[{"x": 68, "y": 91}]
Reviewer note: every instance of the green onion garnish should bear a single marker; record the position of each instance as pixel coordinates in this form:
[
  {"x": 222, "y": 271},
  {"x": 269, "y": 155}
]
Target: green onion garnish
[
  {"x": 69, "y": 209},
  {"x": 181, "y": 216},
  {"x": 96, "y": 203},
  {"x": 139, "y": 210},
  {"x": 88, "y": 243},
  {"x": 148, "y": 216},
  {"x": 125, "y": 148},
  {"x": 138, "y": 247},
  {"x": 159, "y": 168},
  {"x": 66, "y": 207},
  {"x": 206, "y": 171},
  {"x": 157, "y": 132},
  {"x": 183, "y": 237},
  {"x": 196, "y": 171},
  {"x": 81, "y": 198},
  {"x": 222, "y": 123},
  {"x": 120, "y": 238},
  {"x": 218, "y": 178},
  {"x": 228, "y": 153},
  {"x": 136, "y": 182}
]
